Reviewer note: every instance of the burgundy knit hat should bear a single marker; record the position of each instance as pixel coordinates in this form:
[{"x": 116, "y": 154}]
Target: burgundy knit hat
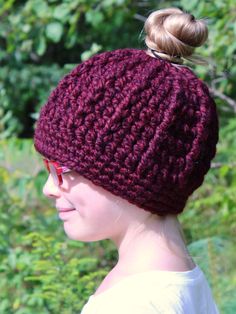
[{"x": 138, "y": 126}]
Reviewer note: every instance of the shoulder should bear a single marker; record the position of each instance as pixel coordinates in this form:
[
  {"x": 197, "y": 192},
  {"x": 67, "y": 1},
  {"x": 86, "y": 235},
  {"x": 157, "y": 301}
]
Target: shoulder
[{"x": 157, "y": 292}]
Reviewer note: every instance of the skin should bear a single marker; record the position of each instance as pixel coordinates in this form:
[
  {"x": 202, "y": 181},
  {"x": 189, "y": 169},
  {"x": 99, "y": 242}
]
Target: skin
[{"x": 144, "y": 241}]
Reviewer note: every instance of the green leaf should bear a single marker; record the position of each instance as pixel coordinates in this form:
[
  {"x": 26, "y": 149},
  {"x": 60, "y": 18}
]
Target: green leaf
[
  {"x": 231, "y": 49},
  {"x": 41, "y": 47},
  {"x": 54, "y": 31},
  {"x": 61, "y": 11},
  {"x": 94, "y": 17},
  {"x": 93, "y": 50},
  {"x": 224, "y": 170},
  {"x": 109, "y": 3},
  {"x": 189, "y": 5},
  {"x": 40, "y": 7}
]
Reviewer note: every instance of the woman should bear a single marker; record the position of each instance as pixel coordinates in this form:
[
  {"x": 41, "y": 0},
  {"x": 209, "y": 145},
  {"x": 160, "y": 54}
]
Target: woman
[{"x": 127, "y": 136}]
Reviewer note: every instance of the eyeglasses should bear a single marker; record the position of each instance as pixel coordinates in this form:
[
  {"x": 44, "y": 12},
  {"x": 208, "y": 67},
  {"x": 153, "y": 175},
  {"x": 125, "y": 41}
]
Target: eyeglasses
[{"x": 55, "y": 170}]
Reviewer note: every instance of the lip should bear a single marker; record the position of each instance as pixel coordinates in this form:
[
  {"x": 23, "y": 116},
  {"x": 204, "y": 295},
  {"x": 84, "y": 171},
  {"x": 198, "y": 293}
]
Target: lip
[
  {"x": 64, "y": 210},
  {"x": 66, "y": 213}
]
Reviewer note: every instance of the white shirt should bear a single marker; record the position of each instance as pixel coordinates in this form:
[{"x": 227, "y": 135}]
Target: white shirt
[{"x": 156, "y": 292}]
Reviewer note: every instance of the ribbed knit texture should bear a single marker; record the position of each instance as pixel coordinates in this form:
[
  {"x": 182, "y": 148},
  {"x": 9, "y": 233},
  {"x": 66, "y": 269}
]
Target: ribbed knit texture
[{"x": 137, "y": 126}]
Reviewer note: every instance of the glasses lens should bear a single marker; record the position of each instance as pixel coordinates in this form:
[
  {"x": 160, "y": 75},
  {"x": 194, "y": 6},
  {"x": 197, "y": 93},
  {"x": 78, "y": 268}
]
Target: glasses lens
[{"x": 54, "y": 174}]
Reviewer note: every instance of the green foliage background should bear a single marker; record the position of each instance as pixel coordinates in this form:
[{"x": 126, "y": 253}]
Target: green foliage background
[{"x": 41, "y": 271}]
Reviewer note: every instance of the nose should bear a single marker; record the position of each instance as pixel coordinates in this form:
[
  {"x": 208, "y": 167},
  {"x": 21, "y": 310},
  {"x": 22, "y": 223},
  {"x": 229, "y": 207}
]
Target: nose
[{"x": 50, "y": 189}]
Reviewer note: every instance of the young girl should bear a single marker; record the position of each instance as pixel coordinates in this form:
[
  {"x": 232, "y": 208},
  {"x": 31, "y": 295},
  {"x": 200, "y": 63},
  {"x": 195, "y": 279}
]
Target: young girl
[{"x": 127, "y": 136}]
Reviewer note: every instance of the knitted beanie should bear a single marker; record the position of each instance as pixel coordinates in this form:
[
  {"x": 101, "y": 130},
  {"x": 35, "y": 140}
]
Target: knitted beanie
[{"x": 138, "y": 126}]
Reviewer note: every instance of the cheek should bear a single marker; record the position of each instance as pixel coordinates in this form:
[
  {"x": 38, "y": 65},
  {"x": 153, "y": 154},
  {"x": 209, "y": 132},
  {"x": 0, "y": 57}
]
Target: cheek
[
  {"x": 92, "y": 204},
  {"x": 92, "y": 227},
  {"x": 94, "y": 222},
  {"x": 98, "y": 214}
]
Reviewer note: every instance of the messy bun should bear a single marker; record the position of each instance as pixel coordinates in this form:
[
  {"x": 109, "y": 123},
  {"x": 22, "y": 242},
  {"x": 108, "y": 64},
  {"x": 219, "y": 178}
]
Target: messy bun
[{"x": 174, "y": 34}]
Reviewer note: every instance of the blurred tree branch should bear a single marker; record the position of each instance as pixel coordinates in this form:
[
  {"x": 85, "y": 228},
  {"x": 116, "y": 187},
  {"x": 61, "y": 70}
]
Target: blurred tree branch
[
  {"x": 222, "y": 96},
  {"x": 221, "y": 164}
]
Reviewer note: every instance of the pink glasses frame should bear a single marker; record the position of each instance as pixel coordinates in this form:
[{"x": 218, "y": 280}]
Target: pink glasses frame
[{"x": 56, "y": 170}]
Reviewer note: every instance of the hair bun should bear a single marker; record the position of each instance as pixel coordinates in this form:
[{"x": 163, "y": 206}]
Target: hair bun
[{"x": 174, "y": 33}]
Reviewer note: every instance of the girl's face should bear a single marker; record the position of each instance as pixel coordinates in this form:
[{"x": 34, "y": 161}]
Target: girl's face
[{"x": 89, "y": 212}]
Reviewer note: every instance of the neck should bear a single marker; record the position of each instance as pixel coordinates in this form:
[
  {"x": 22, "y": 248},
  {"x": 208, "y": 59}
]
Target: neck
[{"x": 155, "y": 243}]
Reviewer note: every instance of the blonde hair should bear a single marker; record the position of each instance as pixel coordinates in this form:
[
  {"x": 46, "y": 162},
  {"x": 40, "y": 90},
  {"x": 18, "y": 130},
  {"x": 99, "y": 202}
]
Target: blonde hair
[{"x": 173, "y": 34}]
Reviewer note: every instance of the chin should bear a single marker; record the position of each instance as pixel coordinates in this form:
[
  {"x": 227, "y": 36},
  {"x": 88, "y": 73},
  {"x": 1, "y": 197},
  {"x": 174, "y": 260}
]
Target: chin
[{"x": 78, "y": 236}]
